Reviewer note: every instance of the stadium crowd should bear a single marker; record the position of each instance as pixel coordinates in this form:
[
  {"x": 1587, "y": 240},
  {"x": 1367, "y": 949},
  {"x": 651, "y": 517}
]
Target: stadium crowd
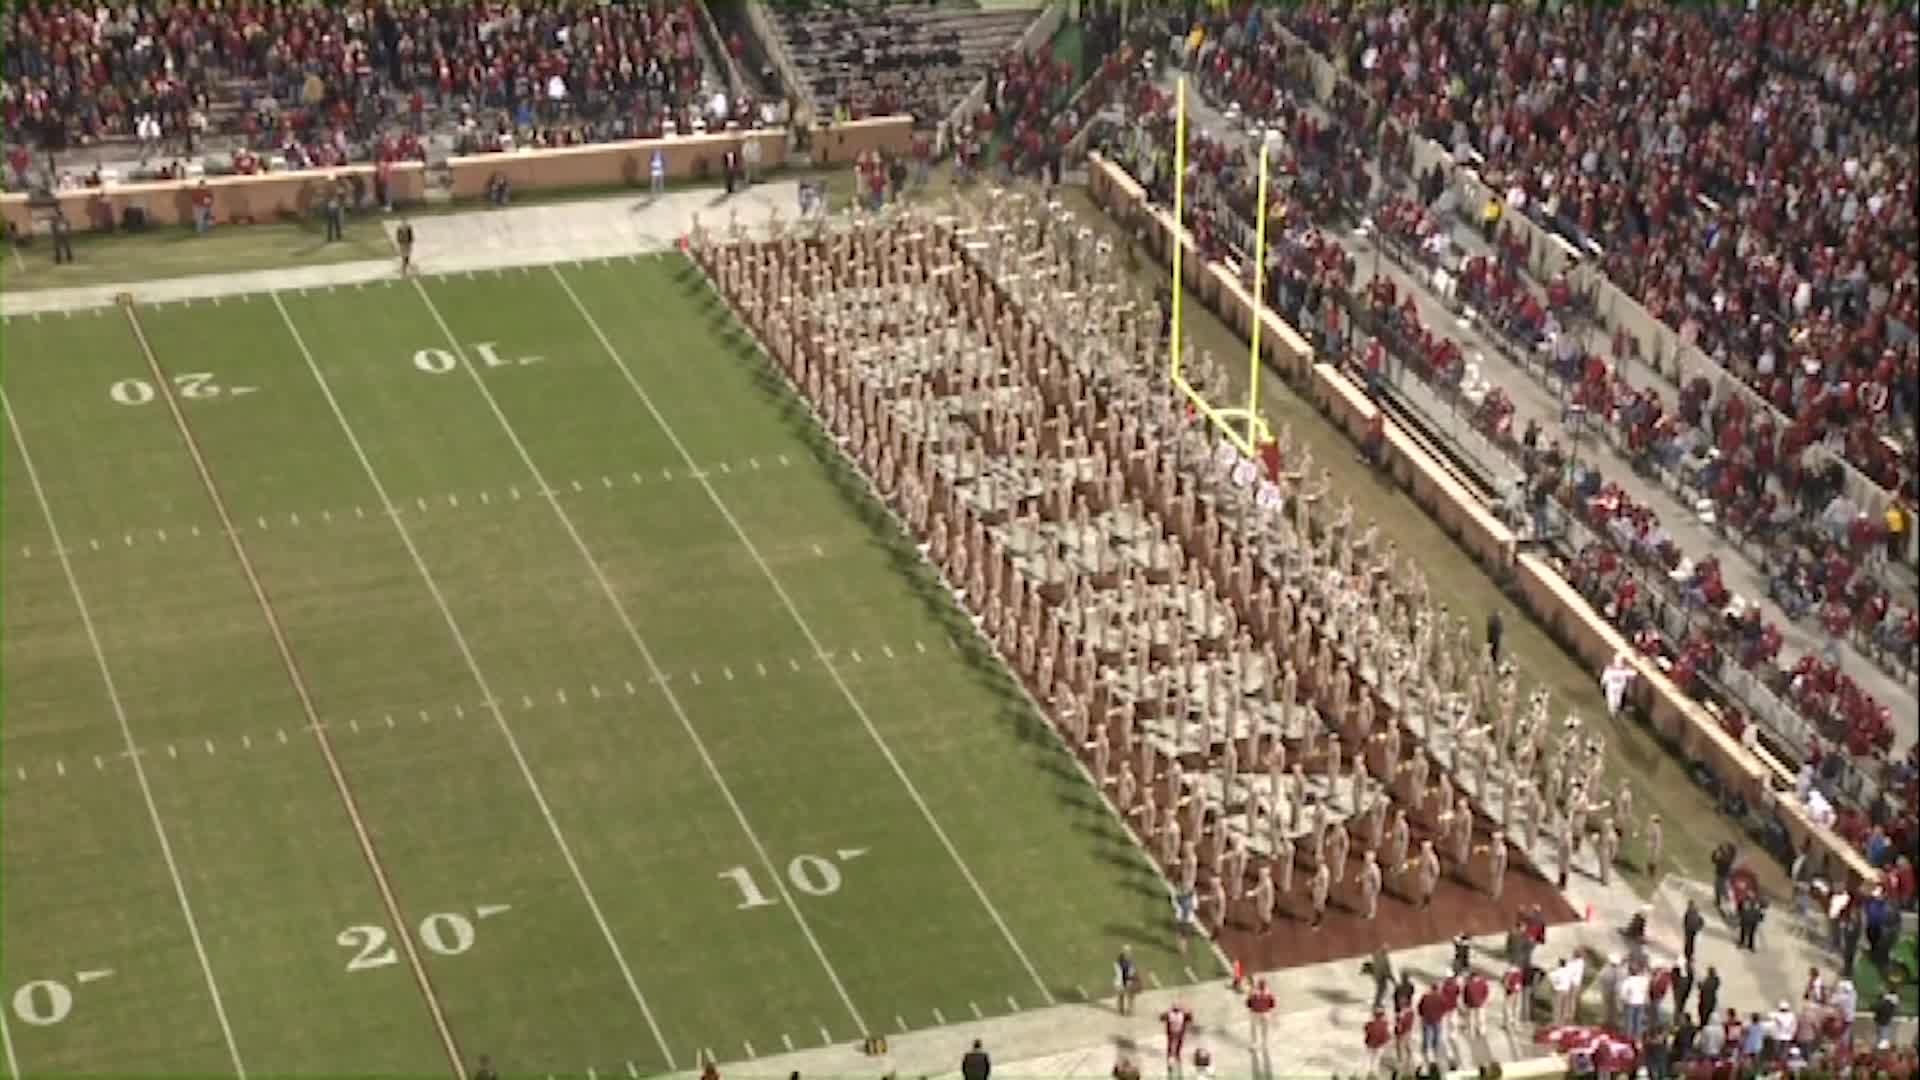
[
  {"x": 322, "y": 84},
  {"x": 1825, "y": 554},
  {"x": 1761, "y": 202}
]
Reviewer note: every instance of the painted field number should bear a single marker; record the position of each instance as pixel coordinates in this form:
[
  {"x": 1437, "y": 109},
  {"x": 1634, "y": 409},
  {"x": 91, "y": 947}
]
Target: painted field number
[
  {"x": 442, "y": 361},
  {"x": 448, "y": 933},
  {"x": 811, "y": 874},
  {"x": 193, "y": 385},
  {"x": 46, "y": 1002}
]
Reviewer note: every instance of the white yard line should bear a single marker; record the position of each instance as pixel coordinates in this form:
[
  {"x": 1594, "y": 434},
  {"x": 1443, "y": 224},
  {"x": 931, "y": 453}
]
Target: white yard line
[
  {"x": 813, "y": 640},
  {"x": 126, "y": 736},
  {"x": 646, "y": 654},
  {"x": 490, "y": 701},
  {"x": 294, "y": 676}
]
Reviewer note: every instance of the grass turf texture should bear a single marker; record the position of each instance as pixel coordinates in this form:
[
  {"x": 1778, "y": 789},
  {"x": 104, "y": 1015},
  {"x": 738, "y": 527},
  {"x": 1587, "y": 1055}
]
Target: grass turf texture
[{"x": 878, "y": 918}]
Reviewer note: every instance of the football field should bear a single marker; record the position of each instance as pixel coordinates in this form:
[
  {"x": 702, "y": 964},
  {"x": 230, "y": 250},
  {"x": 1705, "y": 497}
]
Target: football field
[{"x": 497, "y": 664}]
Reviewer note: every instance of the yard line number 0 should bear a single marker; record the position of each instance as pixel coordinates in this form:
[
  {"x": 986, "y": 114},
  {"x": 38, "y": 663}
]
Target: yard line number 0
[
  {"x": 448, "y": 933},
  {"x": 192, "y": 385},
  {"x": 813, "y": 875}
]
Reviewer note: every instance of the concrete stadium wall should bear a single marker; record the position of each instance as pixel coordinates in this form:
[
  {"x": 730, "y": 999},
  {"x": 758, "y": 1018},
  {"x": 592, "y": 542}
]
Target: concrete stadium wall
[
  {"x": 235, "y": 198},
  {"x": 1682, "y": 721}
]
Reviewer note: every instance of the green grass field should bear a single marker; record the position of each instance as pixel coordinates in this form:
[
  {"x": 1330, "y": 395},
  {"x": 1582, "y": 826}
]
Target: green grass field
[{"x": 641, "y": 732}]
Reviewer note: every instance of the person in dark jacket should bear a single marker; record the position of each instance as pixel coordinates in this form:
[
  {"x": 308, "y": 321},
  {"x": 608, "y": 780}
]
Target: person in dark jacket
[
  {"x": 1709, "y": 995},
  {"x": 1496, "y": 630},
  {"x": 1691, "y": 923},
  {"x": 975, "y": 1064}
]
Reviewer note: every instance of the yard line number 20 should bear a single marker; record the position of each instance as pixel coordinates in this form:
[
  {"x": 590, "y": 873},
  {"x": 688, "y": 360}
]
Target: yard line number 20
[{"x": 448, "y": 933}]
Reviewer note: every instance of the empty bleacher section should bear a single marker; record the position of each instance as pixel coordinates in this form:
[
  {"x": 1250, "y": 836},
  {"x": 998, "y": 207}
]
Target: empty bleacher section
[{"x": 879, "y": 58}]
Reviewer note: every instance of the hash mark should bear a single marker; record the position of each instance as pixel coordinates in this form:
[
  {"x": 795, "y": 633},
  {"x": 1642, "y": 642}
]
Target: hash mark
[
  {"x": 755, "y": 462},
  {"x": 818, "y": 553},
  {"x": 1081, "y": 990},
  {"x": 728, "y": 672},
  {"x": 560, "y": 696},
  {"x": 246, "y": 742},
  {"x": 977, "y": 1014},
  {"x": 826, "y": 1037},
  {"x": 359, "y": 512},
  {"x": 95, "y": 543},
  {"x": 577, "y": 487},
  {"x": 485, "y": 499},
  {"x": 514, "y": 492},
  {"x": 792, "y": 663},
  {"x": 421, "y": 503},
  {"x": 724, "y": 469},
  {"x": 760, "y": 667},
  {"x": 262, "y": 521},
  {"x": 696, "y": 678},
  {"x": 783, "y": 460},
  {"x": 98, "y": 765},
  {"x": 526, "y": 701},
  {"x": 630, "y": 690},
  {"x": 856, "y": 656},
  {"x": 750, "y": 1052},
  {"x": 666, "y": 474},
  {"x": 389, "y": 720},
  {"x": 1154, "y": 979},
  {"x": 1191, "y": 977},
  {"x": 22, "y": 772},
  {"x": 939, "y": 1019},
  {"x": 283, "y": 735},
  {"x": 786, "y": 1040},
  {"x": 162, "y": 533},
  {"x": 127, "y": 539},
  {"x": 173, "y": 751},
  {"x": 355, "y": 724},
  {"x": 209, "y": 746},
  {"x": 888, "y": 649},
  {"x": 452, "y": 499},
  {"x": 899, "y": 1023},
  {"x": 59, "y": 767},
  {"x": 607, "y": 482},
  {"x": 632, "y": 1071},
  {"x": 594, "y": 689},
  {"x": 637, "y": 478},
  {"x": 1012, "y": 1004}
]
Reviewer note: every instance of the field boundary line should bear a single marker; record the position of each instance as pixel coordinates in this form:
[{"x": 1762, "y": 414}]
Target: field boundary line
[
  {"x": 806, "y": 630},
  {"x": 126, "y": 736},
  {"x": 491, "y": 701},
  {"x": 658, "y": 677},
  {"x": 873, "y": 491},
  {"x": 401, "y": 927}
]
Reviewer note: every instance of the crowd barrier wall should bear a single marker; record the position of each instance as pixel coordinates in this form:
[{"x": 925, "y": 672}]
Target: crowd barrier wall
[
  {"x": 260, "y": 198},
  {"x": 1683, "y": 722},
  {"x": 271, "y": 196}
]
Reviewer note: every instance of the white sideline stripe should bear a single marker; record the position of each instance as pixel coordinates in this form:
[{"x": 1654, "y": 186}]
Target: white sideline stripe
[
  {"x": 807, "y": 632},
  {"x": 126, "y": 735},
  {"x": 473, "y": 668},
  {"x": 646, "y": 654}
]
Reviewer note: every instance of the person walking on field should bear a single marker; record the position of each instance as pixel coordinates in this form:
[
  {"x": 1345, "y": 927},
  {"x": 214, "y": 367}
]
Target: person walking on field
[
  {"x": 403, "y": 239},
  {"x": 975, "y": 1064},
  {"x": 1260, "y": 1005},
  {"x": 1496, "y": 632}
]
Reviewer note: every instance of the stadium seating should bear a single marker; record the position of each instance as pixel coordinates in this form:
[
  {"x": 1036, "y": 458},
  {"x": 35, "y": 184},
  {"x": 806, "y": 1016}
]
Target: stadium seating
[
  {"x": 873, "y": 59},
  {"x": 318, "y": 85},
  {"x": 1761, "y": 202}
]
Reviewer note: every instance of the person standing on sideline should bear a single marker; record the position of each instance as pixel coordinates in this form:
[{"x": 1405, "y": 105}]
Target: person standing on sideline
[
  {"x": 1176, "y": 1020},
  {"x": 1656, "y": 839},
  {"x": 484, "y": 1069},
  {"x": 62, "y": 238},
  {"x": 1691, "y": 924},
  {"x": 1514, "y": 1005},
  {"x": 975, "y": 1064},
  {"x": 1126, "y": 981},
  {"x": 657, "y": 173},
  {"x": 403, "y": 238},
  {"x": 1709, "y": 995},
  {"x": 1377, "y": 1035},
  {"x": 1748, "y": 919},
  {"x": 1433, "y": 1013},
  {"x": 336, "y": 207},
  {"x": 1496, "y": 630},
  {"x": 1473, "y": 1004},
  {"x": 1682, "y": 989},
  {"x": 1724, "y": 857},
  {"x": 1260, "y": 1009},
  {"x": 1380, "y": 966}
]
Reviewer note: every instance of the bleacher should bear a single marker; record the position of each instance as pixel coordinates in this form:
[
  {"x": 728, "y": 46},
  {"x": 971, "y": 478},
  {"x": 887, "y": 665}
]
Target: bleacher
[{"x": 883, "y": 57}]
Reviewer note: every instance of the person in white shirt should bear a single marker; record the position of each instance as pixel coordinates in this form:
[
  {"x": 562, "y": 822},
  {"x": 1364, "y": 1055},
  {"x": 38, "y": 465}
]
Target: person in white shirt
[
  {"x": 1614, "y": 682},
  {"x": 1634, "y": 991},
  {"x": 1784, "y": 1023}
]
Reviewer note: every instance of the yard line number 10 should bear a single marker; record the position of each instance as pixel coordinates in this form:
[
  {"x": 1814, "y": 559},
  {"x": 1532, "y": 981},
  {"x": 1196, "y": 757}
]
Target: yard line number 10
[{"x": 813, "y": 875}]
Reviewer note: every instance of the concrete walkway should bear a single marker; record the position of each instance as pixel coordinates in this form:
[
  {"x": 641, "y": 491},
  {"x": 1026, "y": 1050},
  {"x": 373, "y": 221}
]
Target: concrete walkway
[
  {"x": 1534, "y": 400},
  {"x": 477, "y": 240}
]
